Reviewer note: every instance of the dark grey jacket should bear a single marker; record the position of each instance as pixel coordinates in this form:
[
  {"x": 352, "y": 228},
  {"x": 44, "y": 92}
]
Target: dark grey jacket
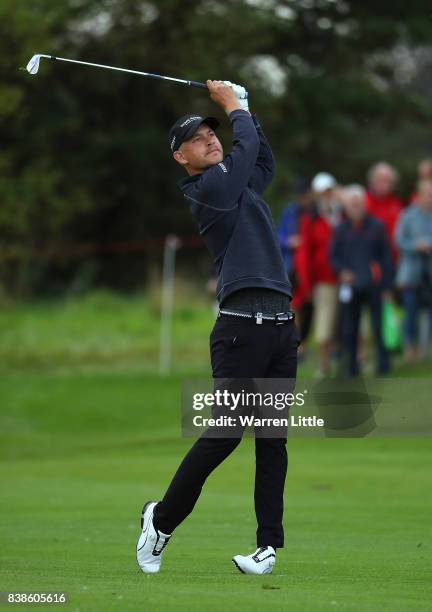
[
  {"x": 233, "y": 219},
  {"x": 364, "y": 250}
]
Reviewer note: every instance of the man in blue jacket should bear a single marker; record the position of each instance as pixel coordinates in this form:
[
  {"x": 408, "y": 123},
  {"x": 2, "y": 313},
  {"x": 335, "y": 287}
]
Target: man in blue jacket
[
  {"x": 254, "y": 335},
  {"x": 289, "y": 225},
  {"x": 360, "y": 255}
]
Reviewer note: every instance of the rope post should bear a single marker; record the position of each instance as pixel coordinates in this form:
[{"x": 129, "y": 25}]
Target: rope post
[{"x": 172, "y": 243}]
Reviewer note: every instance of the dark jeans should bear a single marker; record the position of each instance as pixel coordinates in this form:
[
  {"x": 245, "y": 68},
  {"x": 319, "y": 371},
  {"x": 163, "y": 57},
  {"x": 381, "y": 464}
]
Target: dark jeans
[
  {"x": 413, "y": 300},
  {"x": 306, "y": 318},
  {"x": 239, "y": 349},
  {"x": 411, "y": 303},
  {"x": 351, "y": 313}
]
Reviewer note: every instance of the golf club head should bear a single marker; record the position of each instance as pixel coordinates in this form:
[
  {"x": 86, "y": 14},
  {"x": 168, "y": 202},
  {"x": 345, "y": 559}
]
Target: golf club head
[{"x": 33, "y": 65}]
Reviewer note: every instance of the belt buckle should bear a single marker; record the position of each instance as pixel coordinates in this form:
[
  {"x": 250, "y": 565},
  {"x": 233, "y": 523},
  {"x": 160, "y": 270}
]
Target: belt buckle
[{"x": 282, "y": 317}]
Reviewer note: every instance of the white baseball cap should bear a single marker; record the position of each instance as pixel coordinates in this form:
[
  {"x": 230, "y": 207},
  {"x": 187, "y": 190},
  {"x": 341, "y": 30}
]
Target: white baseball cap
[{"x": 323, "y": 181}]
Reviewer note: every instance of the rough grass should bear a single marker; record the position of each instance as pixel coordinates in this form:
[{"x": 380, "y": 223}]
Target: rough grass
[
  {"x": 105, "y": 332},
  {"x": 102, "y": 331}
]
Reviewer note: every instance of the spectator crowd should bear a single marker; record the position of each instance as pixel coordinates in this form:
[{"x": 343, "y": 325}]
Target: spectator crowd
[{"x": 351, "y": 249}]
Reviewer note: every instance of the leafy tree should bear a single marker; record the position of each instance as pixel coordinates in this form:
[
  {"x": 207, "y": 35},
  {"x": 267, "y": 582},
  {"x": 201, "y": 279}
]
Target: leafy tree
[{"x": 337, "y": 85}]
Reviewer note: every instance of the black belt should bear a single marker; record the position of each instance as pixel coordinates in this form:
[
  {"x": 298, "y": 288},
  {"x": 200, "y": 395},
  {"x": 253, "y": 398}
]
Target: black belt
[{"x": 279, "y": 318}]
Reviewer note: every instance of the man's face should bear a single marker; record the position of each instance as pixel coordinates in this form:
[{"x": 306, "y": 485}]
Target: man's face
[
  {"x": 382, "y": 182},
  {"x": 325, "y": 196},
  {"x": 305, "y": 198},
  {"x": 355, "y": 207},
  {"x": 425, "y": 170},
  {"x": 201, "y": 151},
  {"x": 424, "y": 196},
  {"x": 325, "y": 199}
]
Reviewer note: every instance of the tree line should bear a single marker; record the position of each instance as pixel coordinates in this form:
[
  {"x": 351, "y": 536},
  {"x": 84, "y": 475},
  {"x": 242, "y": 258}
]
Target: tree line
[{"x": 84, "y": 156}]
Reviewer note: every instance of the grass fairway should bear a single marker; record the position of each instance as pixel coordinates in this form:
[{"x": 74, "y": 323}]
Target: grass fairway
[{"x": 82, "y": 452}]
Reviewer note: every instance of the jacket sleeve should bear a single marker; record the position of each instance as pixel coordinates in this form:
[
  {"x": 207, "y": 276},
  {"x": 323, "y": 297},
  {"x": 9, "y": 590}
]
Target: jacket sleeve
[
  {"x": 385, "y": 259},
  {"x": 220, "y": 186},
  {"x": 404, "y": 241},
  {"x": 265, "y": 164},
  {"x": 335, "y": 253},
  {"x": 286, "y": 228},
  {"x": 302, "y": 263}
]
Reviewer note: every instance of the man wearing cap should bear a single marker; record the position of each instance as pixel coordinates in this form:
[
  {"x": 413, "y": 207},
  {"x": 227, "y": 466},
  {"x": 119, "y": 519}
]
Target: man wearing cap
[
  {"x": 317, "y": 281},
  {"x": 254, "y": 335}
]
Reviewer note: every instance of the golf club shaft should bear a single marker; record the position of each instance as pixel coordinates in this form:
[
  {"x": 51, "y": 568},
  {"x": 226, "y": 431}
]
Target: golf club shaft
[{"x": 147, "y": 74}]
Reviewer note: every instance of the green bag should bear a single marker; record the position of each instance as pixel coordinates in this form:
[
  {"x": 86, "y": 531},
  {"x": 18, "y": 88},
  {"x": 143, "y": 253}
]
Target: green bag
[{"x": 391, "y": 326}]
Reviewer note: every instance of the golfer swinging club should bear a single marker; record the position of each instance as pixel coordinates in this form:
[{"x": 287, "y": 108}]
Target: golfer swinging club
[{"x": 254, "y": 335}]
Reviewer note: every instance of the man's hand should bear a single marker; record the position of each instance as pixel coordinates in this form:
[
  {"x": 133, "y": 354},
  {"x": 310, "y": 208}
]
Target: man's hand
[
  {"x": 241, "y": 93},
  {"x": 346, "y": 277},
  {"x": 423, "y": 246},
  {"x": 294, "y": 241},
  {"x": 224, "y": 96}
]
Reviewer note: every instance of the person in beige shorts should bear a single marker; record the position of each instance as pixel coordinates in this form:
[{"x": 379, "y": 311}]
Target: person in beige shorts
[
  {"x": 325, "y": 303},
  {"x": 325, "y": 287},
  {"x": 317, "y": 282}
]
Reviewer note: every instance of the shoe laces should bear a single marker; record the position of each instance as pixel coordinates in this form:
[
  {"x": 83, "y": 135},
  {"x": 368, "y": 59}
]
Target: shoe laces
[
  {"x": 258, "y": 552},
  {"x": 161, "y": 542}
]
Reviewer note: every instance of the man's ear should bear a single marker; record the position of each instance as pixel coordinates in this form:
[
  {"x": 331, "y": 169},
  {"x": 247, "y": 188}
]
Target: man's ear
[{"x": 180, "y": 158}]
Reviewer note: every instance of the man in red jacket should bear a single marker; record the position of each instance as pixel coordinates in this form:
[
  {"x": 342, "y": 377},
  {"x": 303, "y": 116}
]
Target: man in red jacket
[{"x": 381, "y": 201}]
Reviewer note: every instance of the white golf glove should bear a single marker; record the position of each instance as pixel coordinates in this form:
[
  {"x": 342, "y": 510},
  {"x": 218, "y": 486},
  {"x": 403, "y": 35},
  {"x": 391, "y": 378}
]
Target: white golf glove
[{"x": 241, "y": 94}]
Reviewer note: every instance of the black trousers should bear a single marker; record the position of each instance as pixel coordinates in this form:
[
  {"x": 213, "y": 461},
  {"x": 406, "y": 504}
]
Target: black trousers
[
  {"x": 351, "y": 313},
  {"x": 239, "y": 349}
]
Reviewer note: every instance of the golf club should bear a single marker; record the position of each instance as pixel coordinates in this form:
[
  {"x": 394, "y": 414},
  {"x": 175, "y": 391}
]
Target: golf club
[{"x": 33, "y": 67}]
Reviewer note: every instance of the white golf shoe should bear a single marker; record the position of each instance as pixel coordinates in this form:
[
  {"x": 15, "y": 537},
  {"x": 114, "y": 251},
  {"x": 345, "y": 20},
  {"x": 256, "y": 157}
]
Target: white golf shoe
[
  {"x": 259, "y": 562},
  {"x": 151, "y": 542}
]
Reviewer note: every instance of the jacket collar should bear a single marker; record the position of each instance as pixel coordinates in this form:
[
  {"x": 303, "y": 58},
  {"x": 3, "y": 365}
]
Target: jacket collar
[
  {"x": 188, "y": 180},
  {"x": 362, "y": 223}
]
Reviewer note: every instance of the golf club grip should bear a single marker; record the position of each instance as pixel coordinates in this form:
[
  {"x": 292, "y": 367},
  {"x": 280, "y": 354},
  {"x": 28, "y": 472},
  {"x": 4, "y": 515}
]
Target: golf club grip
[{"x": 198, "y": 84}]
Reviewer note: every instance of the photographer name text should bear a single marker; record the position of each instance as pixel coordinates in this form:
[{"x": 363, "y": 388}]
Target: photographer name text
[{"x": 252, "y": 421}]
